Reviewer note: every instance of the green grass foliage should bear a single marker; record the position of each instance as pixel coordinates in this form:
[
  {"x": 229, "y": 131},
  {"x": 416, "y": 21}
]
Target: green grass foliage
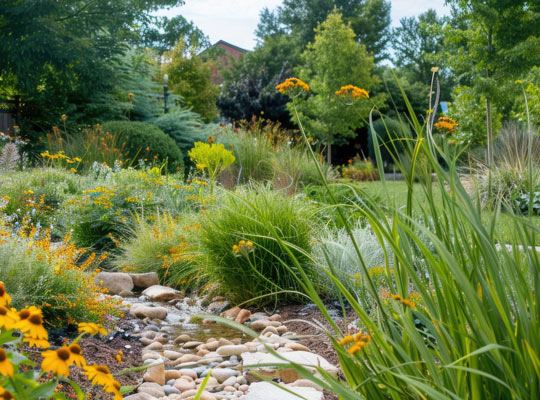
[{"x": 256, "y": 215}]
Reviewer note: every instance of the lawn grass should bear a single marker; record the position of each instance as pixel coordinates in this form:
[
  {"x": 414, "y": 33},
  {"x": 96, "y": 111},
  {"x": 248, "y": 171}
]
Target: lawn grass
[{"x": 398, "y": 197}]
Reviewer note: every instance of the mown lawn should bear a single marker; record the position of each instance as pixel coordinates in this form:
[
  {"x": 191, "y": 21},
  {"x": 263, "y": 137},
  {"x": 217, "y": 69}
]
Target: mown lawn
[{"x": 398, "y": 196}]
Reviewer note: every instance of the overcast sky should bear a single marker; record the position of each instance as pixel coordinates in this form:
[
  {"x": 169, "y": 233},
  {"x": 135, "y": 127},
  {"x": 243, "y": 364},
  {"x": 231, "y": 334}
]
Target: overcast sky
[{"x": 235, "y": 20}]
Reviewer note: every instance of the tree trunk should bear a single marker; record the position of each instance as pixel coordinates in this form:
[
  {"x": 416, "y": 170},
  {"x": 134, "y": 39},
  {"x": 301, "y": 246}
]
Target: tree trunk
[{"x": 489, "y": 128}]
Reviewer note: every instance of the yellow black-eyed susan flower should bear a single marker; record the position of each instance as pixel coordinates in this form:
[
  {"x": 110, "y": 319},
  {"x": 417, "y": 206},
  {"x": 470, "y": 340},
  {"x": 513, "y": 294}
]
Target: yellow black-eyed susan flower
[
  {"x": 31, "y": 323},
  {"x": 99, "y": 375},
  {"x": 91, "y": 328},
  {"x": 6, "y": 368},
  {"x": 5, "y": 395},
  {"x": 5, "y": 298},
  {"x": 33, "y": 342},
  {"x": 114, "y": 388},
  {"x": 56, "y": 361},
  {"x": 8, "y": 318},
  {"x": 75, "y": 352}
]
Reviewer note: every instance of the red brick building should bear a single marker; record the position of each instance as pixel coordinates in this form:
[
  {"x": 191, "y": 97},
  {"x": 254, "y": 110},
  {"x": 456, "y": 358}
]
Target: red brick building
[{"x": 225, "y": 52}]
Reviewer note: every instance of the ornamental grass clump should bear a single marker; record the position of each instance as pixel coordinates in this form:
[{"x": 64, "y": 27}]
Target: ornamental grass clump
[
  {"x": 237, "y": 235},
  {"x": 464, "y": 314},
  {"x": 164, "y": 246}
]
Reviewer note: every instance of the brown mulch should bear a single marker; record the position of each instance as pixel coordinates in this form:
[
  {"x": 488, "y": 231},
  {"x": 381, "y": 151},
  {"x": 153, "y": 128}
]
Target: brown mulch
[{"x": 316, "y": 340}]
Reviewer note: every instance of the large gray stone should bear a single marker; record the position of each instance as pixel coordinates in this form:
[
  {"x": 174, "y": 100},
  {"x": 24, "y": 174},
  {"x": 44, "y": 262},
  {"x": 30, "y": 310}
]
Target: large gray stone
[
  {"x": 267, "y": 391},
  {"x": 140, "y": 396},
  {"x": 114, "y": 282},
  {"x": 255, "y": 362},
  {"x": 160, "y": 293},
  {"x": 142, "y": 311},
  {"x": 145, "y": 280}
]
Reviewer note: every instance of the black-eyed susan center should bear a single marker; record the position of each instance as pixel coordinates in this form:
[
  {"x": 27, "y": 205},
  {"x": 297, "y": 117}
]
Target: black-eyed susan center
[
  {"x": 63, "y": 354},
  {"x": 36, "y": 319},
  {"x": 3, "y": 355}
]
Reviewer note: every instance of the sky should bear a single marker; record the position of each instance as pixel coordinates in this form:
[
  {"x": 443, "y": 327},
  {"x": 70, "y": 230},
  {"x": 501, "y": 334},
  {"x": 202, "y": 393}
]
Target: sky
[{"x": 235, "y": 20}]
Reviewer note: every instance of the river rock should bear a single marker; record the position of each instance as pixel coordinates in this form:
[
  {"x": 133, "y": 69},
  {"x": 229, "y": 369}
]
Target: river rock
[
  {"x": 191, "y": 344},
  {"x": 182, "y": 339},
  {"x": 260, "y": 324},
  {"x": 253, "y": 361},
  {"x": 151, "y": 388},
  {"x": 114, "y": 282},
  {"x": 267, "y": 391},
  {"x": 143, "y": 311},
  {"x": 145, "y": 280},
  {"x": 217, "y": 307},
  {"x": 168, "y": 389},
  {"x": 306, "y": 383},
  {"x": 188, "y": 372},
  {"x": 212, "y": 346},
  {"x": 172, "y": 374},
  {"x": 243, "y": 316},
  {"x": 154, "y": 346},
  {"x": 155, "y": 374},
  {"x": 296, "y": 346},
  {"x": 160, "y": 293},
  {"x": 224, "y": 342},
  {"x": 172, "y": 355},
  {"x": 221, "y": 374},
  {"x": 184, "y": 385},
  {"x": 140, "y": 396},
  {"x": 231, "y": 313},
  {"x": 232, "y": 350}
]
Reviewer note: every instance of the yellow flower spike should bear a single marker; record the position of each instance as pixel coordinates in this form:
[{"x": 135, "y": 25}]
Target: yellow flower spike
[
  {"x": 91, "y": 328},
  {"x": 6, "y": 368},
  {"x": 57, "y": 361},
  {"x": 5, "y": 298}
]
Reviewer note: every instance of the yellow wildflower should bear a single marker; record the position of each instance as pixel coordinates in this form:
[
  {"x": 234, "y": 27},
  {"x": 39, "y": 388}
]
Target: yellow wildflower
[
  {"x": 56, "y": 361},
  {"x": 91, "y": 328},
  {"x": 5, "y": 298},
  {"x": 6, "y": 368}
]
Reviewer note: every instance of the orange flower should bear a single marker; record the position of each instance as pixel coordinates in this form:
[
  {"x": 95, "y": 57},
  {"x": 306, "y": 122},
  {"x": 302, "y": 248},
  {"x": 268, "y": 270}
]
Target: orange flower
[
  {"x": 64, "y": 117},
  {"x": 6, "y": 368},
  {"x": 292, "y": 84},
  {"x": 352, "y": 91}
]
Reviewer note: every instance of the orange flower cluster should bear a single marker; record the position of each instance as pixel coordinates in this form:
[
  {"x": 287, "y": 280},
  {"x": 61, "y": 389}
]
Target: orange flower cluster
[
  {"x": 359, "y": 340},
  {"x": 403, "y": 301},
  {"x": 352, "y": 91},
  {"x": 242, "y": 247},
  {"x": 292, "y": 84},
  {"x": 446, "y": 125}
]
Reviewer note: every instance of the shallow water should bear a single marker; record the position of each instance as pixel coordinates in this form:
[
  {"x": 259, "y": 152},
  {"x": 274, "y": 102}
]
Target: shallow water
[{"x": 185, "y": 317}]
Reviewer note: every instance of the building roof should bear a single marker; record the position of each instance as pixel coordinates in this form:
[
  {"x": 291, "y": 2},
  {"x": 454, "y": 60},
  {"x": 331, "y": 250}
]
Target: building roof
[{"x": 230, "y": 45}]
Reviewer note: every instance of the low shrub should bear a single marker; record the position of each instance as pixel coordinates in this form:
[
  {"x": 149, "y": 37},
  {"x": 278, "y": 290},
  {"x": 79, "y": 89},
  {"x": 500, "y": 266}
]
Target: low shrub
[
  {"x": 163, "y": 246},
  {"x": 145, "y": 141},
  {"x": 236, "y": 235},
  {"x": 186, "y": 128},
  {"x": 334, "y": 251},
  {"x": 83, "y": 148},
  {"x": 509, "y": 180},
  {"x": 360, "y": 169},
  {"x": 50, "y": 278}
]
